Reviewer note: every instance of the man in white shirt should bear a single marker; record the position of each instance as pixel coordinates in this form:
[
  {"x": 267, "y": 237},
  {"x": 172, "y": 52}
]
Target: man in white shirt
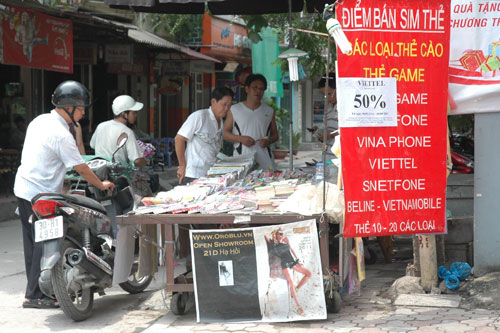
[
  {"x": 251, "y": 124},
  {"x": 200, "y": 138},
  {"x": 104, "y": 140},
  {"x": 49, "y": 149}
]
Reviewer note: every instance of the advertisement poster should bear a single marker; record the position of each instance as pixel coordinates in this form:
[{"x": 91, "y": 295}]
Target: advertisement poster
[
  {"x": 264, "y": 274},
  {"x": 395, "y": 177},
  {"x": 474, "y": 68},
  {"x": 367, "y": 102},
  {"x": 36, "y": 40}
]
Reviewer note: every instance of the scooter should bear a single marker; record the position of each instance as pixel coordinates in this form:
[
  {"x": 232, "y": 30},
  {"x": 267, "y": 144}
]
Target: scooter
[
  {"x": 79, "y": 240},
  {"x": 462, "y": 163}
]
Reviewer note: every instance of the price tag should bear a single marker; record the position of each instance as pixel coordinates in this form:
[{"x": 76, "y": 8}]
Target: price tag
[{"x": 367, "y": 102}]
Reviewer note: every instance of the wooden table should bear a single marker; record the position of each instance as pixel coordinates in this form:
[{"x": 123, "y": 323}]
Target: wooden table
[{"x": 175, "y": 284}]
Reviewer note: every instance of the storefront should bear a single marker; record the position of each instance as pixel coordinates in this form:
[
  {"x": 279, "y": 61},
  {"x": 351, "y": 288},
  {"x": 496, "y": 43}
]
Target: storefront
[
  {"x": 228, "y": 41},
  {"x": 183, "y": 86}
]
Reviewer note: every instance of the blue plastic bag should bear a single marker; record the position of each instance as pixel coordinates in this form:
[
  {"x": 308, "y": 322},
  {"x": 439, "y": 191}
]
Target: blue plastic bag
[
  {"x": 461, "y": 270},
  {"x": 443, "y": 272},
  {"x": 451, "y": 281}
]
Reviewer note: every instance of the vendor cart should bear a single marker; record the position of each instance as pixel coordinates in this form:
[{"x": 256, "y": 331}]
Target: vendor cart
[{"x": 181, "y": 285}]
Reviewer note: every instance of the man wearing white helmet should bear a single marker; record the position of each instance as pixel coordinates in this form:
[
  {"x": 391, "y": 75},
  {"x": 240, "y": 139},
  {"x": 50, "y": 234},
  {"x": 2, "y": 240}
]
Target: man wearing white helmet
[{"x": 105, "y": 136}]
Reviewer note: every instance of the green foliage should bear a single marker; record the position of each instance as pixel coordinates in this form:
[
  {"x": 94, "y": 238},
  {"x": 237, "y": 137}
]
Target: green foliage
[
  {"x": 315, "y": 45},
  {"x": 280, "y": 114},
  {"x": 182, "y": 28},
  {"x": 461, "y": 123},
  {"x": 296, "y": 140}
]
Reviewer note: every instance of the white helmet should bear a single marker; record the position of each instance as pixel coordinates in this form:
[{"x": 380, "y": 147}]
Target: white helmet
[{"x": 125, "y": 103}]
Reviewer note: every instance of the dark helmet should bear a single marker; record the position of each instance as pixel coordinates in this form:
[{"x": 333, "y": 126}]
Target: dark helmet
[{"x": 70, "y": 93}]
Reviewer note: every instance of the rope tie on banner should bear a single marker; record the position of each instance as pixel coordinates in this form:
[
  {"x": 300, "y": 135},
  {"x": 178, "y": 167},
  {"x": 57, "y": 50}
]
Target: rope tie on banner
[{"x": 323, "y": 224}]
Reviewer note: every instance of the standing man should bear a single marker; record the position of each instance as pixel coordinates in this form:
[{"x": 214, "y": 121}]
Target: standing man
[
  {"x": 106, "y": 134},
  {"x": 251, "y": 125},
  {"x": 48, "y": 151},
  {"x": 332, "y": 117},
  {"x": 200, "y": 138}
]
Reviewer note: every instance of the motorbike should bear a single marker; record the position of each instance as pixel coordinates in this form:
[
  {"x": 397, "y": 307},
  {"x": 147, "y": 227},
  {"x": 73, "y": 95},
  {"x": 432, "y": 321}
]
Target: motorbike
[
  {"x": 462, "y": 163},
  {"x": 78, "y": 238}
]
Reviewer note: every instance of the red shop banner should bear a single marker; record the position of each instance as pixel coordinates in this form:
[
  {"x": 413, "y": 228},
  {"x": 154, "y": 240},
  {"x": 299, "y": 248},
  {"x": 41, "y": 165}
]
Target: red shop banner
[
  {"x": 37, "y": 40},
  {"x": 395, "y": 174}
]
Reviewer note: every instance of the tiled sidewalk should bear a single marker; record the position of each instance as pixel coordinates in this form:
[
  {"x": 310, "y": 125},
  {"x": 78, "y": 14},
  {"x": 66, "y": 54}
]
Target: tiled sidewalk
[{"x": 368, "y": 312}]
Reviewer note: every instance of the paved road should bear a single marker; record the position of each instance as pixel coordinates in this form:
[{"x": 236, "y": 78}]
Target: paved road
[
  {"x": 147, "y": 312},
  {"x": 115, "y": 312}
]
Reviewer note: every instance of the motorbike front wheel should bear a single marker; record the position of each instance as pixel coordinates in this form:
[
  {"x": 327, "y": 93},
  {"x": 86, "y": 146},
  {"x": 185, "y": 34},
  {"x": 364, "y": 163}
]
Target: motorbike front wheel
[
  {"x": 76, "y": 304},
  {"x": 134, "y": 285}
]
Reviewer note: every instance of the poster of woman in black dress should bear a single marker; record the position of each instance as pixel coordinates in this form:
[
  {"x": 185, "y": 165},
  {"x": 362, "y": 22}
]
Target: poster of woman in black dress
[
  {"x": 290, "y": 275},
  {"x": 270, "y": 273},
  {"x": 278, "y": 245}
]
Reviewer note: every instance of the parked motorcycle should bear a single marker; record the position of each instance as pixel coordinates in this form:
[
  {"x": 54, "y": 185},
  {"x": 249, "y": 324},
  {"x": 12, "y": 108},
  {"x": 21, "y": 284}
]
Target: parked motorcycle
[
  {"x": 462, "y": 163},
  {"x": 79, "y": 240}
]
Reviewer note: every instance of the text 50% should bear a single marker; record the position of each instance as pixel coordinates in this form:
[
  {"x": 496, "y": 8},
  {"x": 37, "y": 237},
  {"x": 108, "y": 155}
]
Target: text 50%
[{"x": 366, "y": 100}]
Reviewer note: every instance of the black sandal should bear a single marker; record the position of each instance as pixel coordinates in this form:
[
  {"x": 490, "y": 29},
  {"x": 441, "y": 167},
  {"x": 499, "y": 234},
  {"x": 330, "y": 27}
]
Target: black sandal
[{"x": 42, "y": 303}]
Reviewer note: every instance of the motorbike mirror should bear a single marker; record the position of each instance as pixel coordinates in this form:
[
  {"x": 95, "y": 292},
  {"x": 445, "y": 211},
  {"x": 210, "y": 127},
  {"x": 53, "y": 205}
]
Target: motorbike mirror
[{"x": 121, "y": 141}]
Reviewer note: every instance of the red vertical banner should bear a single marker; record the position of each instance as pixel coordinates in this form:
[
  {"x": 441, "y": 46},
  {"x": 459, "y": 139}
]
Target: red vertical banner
[
  {"x": 395, "y": 176},
  {"x": 36, "y": 40}
]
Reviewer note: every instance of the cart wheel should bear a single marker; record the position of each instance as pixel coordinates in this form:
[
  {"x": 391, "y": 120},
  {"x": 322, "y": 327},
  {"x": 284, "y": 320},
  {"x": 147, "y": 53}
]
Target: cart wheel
[
  {"x": 178, "y": 304},
  {"x": 334, "y": 304}
]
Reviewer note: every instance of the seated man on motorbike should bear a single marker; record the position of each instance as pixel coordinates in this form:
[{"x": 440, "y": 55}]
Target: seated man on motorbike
[
  {"x": 104, "y": 140},
  {"x": 105, "y": 136},
  {"x": 49, "y": 149}
]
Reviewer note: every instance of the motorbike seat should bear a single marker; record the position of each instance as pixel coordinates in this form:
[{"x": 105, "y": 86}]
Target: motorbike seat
[{"x": 86, "y": 202}]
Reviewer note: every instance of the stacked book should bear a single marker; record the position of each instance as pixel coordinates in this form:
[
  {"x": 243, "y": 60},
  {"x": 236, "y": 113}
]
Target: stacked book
[
  {"x": 264, "y": 195},
  {"x": 238, "y": 165}
]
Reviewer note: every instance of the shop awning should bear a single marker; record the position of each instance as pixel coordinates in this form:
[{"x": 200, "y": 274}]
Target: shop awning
[
  {"x": 218, "y": 7},
  {"x": 145, "y": 37}
]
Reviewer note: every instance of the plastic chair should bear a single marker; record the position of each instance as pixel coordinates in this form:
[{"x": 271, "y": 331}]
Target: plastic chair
[{"x": 168, "y": 145}]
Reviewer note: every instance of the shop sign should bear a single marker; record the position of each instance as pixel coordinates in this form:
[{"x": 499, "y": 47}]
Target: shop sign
[
  {"x": 239, "y": 274},
  {"x": 474, "y": 68},
  {"x": 394, "y": 176},
  {"x": 173, "y": 67},
  {"x": 170, "y": 85},
  {"x": 32, "y": 39},
  {"x": 201, "y": 66},
  {"x": 119, "y": 53},
  {"x": 138, "y": 67}
]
